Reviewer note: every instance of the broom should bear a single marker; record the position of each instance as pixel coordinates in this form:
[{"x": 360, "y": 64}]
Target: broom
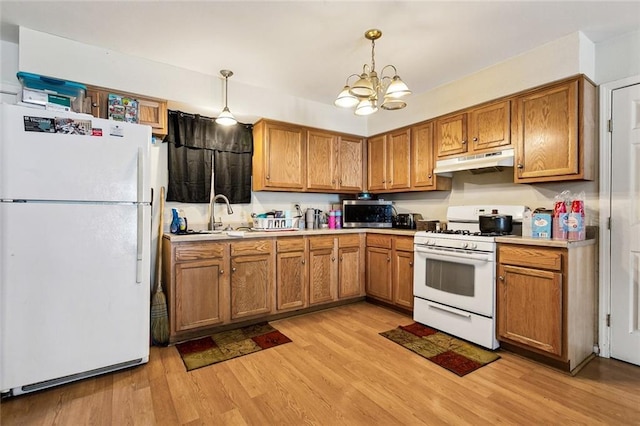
[{"x": 159, "y": 317}]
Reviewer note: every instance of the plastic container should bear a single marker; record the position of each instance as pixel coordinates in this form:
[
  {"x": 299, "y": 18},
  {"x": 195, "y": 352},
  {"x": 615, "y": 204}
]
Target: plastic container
[
  {"x": 338, "y": 216},
  {"x": 332, "y": 219},
  {"x": 75, "y": 91}
]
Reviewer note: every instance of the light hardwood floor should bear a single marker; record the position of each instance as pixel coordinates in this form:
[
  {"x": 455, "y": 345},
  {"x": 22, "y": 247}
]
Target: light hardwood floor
[{"x": 338, "y": 370}]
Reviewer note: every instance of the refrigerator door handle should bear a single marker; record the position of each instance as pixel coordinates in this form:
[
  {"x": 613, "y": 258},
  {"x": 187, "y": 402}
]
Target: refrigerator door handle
[{"x": 139, "y": 230}]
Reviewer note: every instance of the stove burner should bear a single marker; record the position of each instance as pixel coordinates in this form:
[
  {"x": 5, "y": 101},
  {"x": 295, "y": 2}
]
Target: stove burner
[{"x": 451, "y": 231}]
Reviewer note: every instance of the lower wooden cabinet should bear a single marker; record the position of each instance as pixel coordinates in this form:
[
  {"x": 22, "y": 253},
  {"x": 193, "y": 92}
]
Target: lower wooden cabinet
[
  {"x": 292, "y": 274},
  {"x": 389, "y": 264},
  {"x": 252, "y": 278},
  {"x": 350, "y": 266},
  {"x": 546, "y": 301}
]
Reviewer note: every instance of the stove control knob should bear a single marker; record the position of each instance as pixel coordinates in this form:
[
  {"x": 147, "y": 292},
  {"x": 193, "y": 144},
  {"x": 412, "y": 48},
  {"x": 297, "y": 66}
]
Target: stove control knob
[
  {"x": 431, "y": 242},
  {"x": 464, "y": 245},
  {"x": 473, "y": 246}
]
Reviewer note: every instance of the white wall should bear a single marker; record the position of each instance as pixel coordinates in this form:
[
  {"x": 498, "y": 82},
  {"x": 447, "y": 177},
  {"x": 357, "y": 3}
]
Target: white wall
[{"x": 567, "y": 56}]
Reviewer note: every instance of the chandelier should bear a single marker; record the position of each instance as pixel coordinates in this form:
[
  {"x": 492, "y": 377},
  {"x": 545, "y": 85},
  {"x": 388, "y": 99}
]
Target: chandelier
[{"x": 369, "y": 88}]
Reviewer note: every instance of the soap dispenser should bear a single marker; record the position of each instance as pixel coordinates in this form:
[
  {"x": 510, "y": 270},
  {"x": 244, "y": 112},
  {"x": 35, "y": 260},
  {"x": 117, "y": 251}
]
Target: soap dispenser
[{"x": 175, "y": 222}]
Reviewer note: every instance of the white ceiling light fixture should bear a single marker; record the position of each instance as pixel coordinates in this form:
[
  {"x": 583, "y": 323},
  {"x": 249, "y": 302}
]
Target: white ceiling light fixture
[
  {"x": 226, "y": 118},
  {"x": 365, "y": 93}
]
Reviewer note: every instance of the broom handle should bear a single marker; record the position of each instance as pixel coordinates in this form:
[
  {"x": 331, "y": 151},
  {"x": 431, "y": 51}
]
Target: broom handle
[{"x": 159, "y": 252}]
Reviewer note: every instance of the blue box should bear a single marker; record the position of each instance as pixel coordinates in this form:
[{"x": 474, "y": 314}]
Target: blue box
[
  {"x": 75, "y": 91},
  {"x": 541, "y": 225}
]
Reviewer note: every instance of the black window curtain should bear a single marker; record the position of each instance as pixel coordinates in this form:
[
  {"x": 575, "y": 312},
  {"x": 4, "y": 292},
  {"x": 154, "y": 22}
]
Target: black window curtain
[{"x": 198, "y": 146}]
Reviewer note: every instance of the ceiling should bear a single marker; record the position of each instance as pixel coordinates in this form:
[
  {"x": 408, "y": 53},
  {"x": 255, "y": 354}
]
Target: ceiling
[{"x": 308, "y": 48}]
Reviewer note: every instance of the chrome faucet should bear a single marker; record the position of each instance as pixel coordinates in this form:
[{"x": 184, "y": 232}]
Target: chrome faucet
[{"x": 213, "y": 222}]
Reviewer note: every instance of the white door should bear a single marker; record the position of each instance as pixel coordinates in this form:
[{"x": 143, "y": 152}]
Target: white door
[{"x": 625, "y": 225}]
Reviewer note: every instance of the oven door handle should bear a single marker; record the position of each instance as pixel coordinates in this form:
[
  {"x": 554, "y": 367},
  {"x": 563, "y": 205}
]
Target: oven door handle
[{"x": 434, "y": 253}]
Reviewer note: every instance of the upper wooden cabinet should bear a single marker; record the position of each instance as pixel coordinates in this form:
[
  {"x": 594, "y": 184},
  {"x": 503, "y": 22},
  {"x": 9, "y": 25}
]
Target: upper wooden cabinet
[
  {"x": 334, "y": 162},
  {"x": 279, "y": 156},
  {"x": 151, "y": 111},
  {"x": 423, "y": 160},
  {"x": 389, "y": 161},
  {"x": 554, "y": 133},
  {"x": 484, "y": 128}
]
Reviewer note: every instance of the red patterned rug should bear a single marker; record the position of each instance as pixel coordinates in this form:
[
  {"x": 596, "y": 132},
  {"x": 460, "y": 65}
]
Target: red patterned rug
[
  {"x": 448, "y": 352},
  {"x": 229, "y": 344}
]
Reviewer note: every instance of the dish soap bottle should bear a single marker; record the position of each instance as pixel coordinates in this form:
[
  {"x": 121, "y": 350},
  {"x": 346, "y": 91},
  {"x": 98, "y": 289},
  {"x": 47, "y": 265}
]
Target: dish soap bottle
[{"x": 175, "y": 222}]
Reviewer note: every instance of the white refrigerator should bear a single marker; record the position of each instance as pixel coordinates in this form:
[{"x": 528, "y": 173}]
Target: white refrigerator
[{"x": 75, "y": 231}]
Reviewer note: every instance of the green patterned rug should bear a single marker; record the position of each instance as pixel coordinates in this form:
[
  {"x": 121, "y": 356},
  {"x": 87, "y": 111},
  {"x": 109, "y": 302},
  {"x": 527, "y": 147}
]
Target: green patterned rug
[
  {"x": 448, "y": 352},
  {"x": 229, "y": 344}
]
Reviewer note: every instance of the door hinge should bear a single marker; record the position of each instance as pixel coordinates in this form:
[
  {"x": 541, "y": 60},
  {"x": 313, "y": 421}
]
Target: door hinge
[
  {"x": 608, "y": 320},
  {"x": 609, "y": 223},
  {"x": 610, "y": 125}
]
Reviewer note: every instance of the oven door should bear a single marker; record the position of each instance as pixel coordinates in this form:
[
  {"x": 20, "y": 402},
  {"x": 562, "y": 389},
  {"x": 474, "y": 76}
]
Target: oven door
[{"x": 457, "y": 278}]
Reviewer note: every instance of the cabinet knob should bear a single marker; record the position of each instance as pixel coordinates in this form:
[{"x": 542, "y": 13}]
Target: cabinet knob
[
  {"x": 411, "y": 264},
  {"x": 340, "y": 181},
  {"x": 94, "y": 104},
  {"x": 475, "y": 139},
  {"x": 233, "y": 269},
  {"x": 520, "y": 166},
  {"x": 333, "y": 259},
  {"x": 303, "y": 261},
  {"x": 341, "y": 259},
  {"x": 267, "y": 177},
  {"x": 388, "y": 259},
  {"x": 333, "y": 181},
  {"x": 501, "y": 278},
  {"x": 384, "y": 181},
  {"x": 463, "y": 142},
  {"x": 428, "y": 176},
  {"x": 221, "y": 271}
]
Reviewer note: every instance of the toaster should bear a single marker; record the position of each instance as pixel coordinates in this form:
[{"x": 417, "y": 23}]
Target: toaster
[{"x": 406, "y": 220}]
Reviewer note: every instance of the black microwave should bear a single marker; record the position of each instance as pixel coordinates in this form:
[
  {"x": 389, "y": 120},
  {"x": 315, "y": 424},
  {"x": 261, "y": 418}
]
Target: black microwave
[{"x": 367, "y": 214}]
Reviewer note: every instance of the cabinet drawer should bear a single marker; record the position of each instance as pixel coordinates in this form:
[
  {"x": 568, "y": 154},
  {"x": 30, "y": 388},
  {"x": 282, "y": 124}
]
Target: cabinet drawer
[
  {"x": 259, "y": 246},
  {"x": 376, "y": 240},
  {"x": 404, "y": 243},
  {"x": 349, "y": 240},
  {"x": 316, "y": 243},
  {"x": 533, "y": 257},
  {"x": 290, "y": 244},
  {"x": 199, "y": 251}
]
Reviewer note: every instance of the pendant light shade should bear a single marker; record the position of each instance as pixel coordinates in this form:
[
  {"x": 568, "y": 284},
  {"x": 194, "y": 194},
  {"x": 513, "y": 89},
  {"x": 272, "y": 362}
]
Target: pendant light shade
[
  {"x": 369, "y": 87},
  {"x": 225, "y": 118}
]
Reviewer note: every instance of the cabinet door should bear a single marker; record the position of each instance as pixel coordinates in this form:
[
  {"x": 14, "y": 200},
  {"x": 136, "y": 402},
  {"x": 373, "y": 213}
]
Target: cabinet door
[
  {"x": 546, "y": 133},
  {"x": 451, "y": 135},
  {"x": 285, "y": 156},
  {"x": 321, "y": 160},
  {"x": 350, "y": 277},
  {"x": 422, "y": 160},
  {"x": 403, "y": 279},
  {"x": 350, "y": 164},
  {"x": 153, "y": 113},
  {"x": 198, "y": 294},
  {"x": 291, "y": 279},
  {"x": 322, "y": 276},
  {"x": 251, "y": 285},
  {"x": 399, "y": 160},
  {"x": 490, "y": 126},
  {"x": 376, "y": 163},
  {"x": 379, "y": 284},
  {"x": 530, "y": 308}
]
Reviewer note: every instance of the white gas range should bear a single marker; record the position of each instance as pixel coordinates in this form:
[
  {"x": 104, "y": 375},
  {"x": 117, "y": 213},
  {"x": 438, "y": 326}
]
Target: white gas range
[{"x": 455, "y": 274}]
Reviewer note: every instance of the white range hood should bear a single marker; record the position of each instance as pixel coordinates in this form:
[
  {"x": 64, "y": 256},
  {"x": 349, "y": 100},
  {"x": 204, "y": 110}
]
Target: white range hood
[{"x": 492, "y": 161}]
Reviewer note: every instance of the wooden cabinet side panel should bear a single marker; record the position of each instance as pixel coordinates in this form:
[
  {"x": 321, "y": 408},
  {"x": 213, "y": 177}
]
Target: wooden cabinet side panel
[{"x": 530, "y": 308}]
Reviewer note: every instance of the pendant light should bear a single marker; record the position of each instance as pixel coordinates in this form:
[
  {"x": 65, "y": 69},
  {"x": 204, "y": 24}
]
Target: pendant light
[
  {"x": 369, "y": 88},
  {"x": 226, "y": 118}
]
